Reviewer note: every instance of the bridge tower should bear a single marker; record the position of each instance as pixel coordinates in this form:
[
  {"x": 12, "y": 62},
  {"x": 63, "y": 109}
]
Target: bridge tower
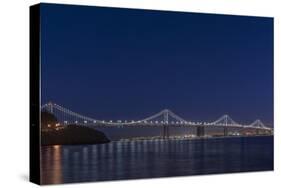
[
  {"x": 166, "y": 124},
  {"x": 225, "y": 131},
  {"x": 50, "y": 107},
  {"x": 225, "y": 122},
  {"x": 258, "y": 124}
]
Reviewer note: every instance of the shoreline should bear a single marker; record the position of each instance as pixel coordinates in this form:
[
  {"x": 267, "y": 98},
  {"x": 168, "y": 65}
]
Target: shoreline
[
  {"x": 189, "y": 139},
  {"x": 162, "y": 140}
]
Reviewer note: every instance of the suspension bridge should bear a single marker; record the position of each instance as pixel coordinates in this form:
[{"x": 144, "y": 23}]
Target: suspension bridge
[{"x": 165, "y": 119}]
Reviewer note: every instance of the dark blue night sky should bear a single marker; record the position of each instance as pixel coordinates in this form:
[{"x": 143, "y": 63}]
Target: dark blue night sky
[{"x": 111, "y": 63}]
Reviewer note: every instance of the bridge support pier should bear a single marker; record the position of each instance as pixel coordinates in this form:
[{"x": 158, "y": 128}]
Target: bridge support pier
[
  {"x": 260, "y": 132},
  {"x": 225, "y": 131},
  {"x": 257, "y": 132},
  {"x": 200, "y": 131},
  {"x": 166, "y": 133}
]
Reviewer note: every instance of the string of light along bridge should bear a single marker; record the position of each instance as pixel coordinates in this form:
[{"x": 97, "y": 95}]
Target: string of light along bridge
[{"x": 163, "y": 118}]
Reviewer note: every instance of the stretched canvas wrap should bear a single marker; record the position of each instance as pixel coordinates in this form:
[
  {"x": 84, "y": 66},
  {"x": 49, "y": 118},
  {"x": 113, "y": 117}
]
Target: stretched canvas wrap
[{"x": 121, "y": 93}]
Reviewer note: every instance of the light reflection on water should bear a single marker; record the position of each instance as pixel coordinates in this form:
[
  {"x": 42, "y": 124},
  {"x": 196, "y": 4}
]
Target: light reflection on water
[{"x": 144, "y": 159}]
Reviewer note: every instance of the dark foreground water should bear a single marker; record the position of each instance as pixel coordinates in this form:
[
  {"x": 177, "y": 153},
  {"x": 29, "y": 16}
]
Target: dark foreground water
[{"x": 147, "y": 159}]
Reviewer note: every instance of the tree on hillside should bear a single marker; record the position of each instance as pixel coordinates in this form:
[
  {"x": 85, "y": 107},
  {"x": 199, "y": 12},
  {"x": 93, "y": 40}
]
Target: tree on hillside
[{"x": 48, "y": 121}]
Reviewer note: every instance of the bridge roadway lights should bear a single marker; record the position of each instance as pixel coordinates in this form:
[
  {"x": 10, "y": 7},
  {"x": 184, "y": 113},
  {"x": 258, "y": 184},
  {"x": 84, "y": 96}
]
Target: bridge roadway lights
[{"x": 200, "y": 131}]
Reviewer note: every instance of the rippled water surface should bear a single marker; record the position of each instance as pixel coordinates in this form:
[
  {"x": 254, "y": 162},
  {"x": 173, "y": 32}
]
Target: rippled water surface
[{"x": 147, "y": 159}]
